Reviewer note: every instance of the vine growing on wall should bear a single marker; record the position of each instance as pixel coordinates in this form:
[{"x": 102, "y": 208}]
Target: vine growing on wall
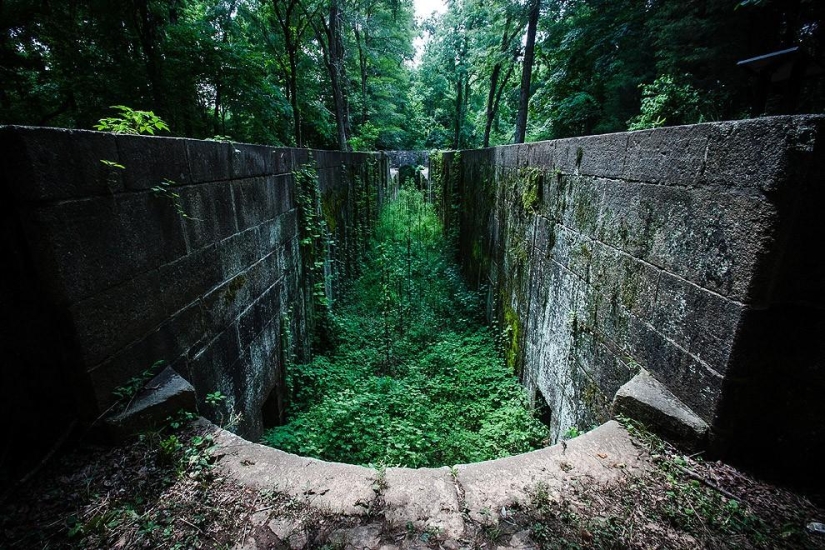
[{"x": 314, "y": 241}]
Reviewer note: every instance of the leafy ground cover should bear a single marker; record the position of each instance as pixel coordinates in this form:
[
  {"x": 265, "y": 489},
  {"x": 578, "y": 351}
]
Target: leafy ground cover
[{"x": 413, "y": 378}]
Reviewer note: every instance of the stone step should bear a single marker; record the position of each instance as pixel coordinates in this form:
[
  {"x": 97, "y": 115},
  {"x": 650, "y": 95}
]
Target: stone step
[
  {"x": 647, "y": 400},
  {"x": 162, "y": 397}
]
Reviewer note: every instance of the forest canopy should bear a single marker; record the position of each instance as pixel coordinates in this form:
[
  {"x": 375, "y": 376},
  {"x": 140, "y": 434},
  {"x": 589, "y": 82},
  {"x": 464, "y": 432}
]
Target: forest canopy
[{"x": 344, "y": 74}]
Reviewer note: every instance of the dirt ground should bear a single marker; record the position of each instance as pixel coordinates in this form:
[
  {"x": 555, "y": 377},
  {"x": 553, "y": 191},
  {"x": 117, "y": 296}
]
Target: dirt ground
[{"x": 161, "y": 490}]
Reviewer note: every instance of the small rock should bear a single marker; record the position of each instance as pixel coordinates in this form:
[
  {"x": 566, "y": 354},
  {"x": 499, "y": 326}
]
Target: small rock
[
  {"x": 816, "y": 528},
  {"x": 288, "y": 531},
  {"x": 358, "y": 538},
  {"x": 521, "y": 541}
]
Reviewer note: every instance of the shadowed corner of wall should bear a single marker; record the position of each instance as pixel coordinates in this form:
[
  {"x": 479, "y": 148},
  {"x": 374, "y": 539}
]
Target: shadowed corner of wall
[
  {"x": 647, "y": 400},
  {"x": 161, "y": 398}
]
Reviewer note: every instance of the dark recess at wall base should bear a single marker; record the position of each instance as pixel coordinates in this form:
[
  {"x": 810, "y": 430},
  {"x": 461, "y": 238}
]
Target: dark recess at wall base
[{"x": 693, "y": 252}]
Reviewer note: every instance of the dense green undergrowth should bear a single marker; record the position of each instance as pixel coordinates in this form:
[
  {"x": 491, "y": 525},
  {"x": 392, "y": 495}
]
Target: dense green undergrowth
[{"x": 414, "y": 378}]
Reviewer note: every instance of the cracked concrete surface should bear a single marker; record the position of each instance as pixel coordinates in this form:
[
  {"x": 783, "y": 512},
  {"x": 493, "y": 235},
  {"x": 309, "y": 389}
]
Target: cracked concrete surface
[{"x": 439, "y": 500}]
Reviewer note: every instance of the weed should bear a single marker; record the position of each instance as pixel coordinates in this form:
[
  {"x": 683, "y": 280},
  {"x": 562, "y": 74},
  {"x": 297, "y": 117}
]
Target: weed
[
  {"x": 215, "y": 398},
  {"x": 131, "y": 121},
  {"x": 571, "y": 432},
  {"x": 125, "y": 393},
  {"x": 164, "y": 191},
  {"x": 112, "y": 164}
]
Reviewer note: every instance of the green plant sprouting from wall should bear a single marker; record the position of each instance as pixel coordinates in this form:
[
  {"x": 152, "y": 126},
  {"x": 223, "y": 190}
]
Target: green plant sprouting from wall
[
  {"x": 164, "y": 190},
  {"x": 135, "y": 122},
  {"x": 132, "y": 121}
]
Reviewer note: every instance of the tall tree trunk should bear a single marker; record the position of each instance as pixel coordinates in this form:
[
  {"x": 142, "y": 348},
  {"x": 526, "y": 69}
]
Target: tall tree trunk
[
  {"x": 494, "y": 94},
  {"x": 147, "y": 27},
  {"x": 334, "y": 58},
  {"x": 293, "y": 95},
  {"x": 527, "y": 72},
  {"x": 461, "y": 92},
  {"x": 491, "y": 97},
  {"x": 459, "y": 110},
  {"x": 292, "y": 32},
  {"x": 362, "y": 64}
]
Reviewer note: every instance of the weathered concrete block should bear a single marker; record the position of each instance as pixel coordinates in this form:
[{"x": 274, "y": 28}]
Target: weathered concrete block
[
  {"x": 169, "y": 342},
  {"x": 758, "y": 153},
  {"x": 688, "y": 378},
  {"x": 645, "y": 399},
  {"x": 46, "y": 164},
  {"x": 250, "y": 161},
  {"x": 237, "y": 252},
  {"x": 223, "y": 304},
  {"x": 188, "y": 278},
  {"x": 569, "y": 155},
  {"x": 148, "y": 161},
  {"x": 209, "y": 160},
  {"x": 713, "y": 239},
  {"x": 699, "y": 321},
  {"x": 667, "y": 156},
  {"x": 602, "y": 156},
  {"x": 259, "y": 315},
  {"x": 282, "y": 160},
  {"x": 214, "y": 367},
  {"x": 162, "y": 397},
  {"x": 541, "y": 154},
  {"x": 121, "y": 236},
  {"x": 210, "y": 211},
  {"x": 114, "y": 318},
  {"x": 258, "y": 200}
]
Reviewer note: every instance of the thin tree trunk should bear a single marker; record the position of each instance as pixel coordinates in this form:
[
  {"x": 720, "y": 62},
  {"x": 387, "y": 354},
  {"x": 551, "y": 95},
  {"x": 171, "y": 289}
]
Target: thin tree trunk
[
  {"x": 504, "y": 82},
  {"x": 459, "y": 108},
  {"x": 491, "y": 97},
  {"x": 292, "y": 32},
  {"x": 362, "y": 64},
  {"x": 147, "y": 27},
  {"x": 495, "y": 94},
  {"x": 527, "y": 72},
  {"x": 293, "y": 97},
  {"x": 334, "y": 59}
]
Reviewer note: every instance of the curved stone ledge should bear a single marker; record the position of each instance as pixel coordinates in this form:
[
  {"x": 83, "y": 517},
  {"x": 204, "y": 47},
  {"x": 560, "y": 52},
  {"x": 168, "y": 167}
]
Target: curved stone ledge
[{"x": 433, "y": 498}]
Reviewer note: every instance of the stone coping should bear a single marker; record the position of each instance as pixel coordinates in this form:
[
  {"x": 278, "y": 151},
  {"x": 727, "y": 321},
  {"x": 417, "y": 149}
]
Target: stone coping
[{"x": 432, "y": 498}]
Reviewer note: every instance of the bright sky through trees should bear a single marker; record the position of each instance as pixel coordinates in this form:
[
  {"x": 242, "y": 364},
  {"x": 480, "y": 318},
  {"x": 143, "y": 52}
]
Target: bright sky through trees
[{"x": 424, "y": 9}]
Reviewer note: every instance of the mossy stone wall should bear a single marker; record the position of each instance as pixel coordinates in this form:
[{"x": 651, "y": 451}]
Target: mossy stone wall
[
  {"x": 668, "y": 249},
  {"x": 225, "y": 277}
]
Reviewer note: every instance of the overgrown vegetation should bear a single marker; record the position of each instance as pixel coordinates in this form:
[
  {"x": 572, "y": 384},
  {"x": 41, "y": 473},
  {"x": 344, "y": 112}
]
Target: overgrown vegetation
[
  {"x": 132, "y": 121},
  {"x": 414, "y": 378}
]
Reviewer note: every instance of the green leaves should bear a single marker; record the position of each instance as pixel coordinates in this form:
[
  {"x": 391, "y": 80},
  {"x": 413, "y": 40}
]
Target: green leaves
[
  {"x": 416, "y": 379},
  {"x": 131, "y": 121},
  {"x": 667, "y": 100}
]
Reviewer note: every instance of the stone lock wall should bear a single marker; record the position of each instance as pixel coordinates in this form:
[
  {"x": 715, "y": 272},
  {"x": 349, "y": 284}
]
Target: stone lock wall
[
  {"x": 219, "y": 275},
  {"x": 694, "y": 252}
]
